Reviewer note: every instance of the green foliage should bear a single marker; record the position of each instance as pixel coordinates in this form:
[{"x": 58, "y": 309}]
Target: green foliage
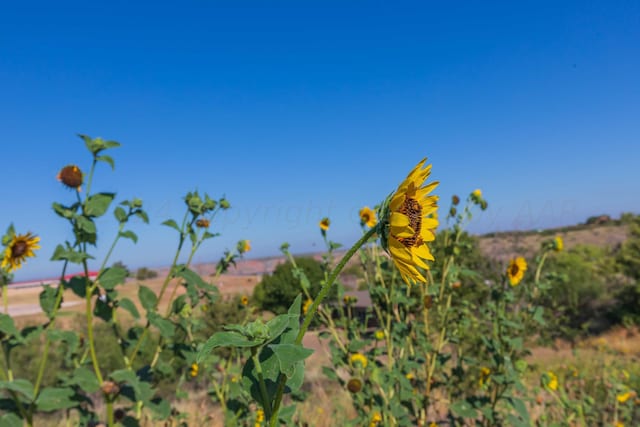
[
  {"x": 277, "y": 291},
  {"x": 144, "y": 273}
]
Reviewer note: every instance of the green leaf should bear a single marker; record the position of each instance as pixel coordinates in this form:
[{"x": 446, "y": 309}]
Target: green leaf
[
  {"x": 55, "y": 398},
  {"x": 128, "y": 305},
  {"x": 48, "y": 300},
  {"x": 160, "y": 408},
  {"x": 112, "y": 276},
  {"x": 85, "y": 379},
  {"x": 225, "y": 339},
  {"x": 142, "y": 215},
  {"x": 98, "y": 204},
  {"x": 166, "y": 327},
  {"x": 128, "y": 234},
  {"x": 63, "y": 211},
  {"x": 120, "y": 214},
  {"x": 85, "y": 224},
  {"x": 521, "y": 409},
  {"x": 463, "y": 409},
  {"x": 288, "y": 355},
  {"x": 107, "y": 159},
  {"x": 147, "y": 298},
  {"x": 7, "y": 326},
  {"x": 60, "y": 253},
  {"x": 191, "y": 277},
  {"x": 22, "y": 386},
  {"x": 11, "y": 420},
  {"x": 171, "y": 223}
]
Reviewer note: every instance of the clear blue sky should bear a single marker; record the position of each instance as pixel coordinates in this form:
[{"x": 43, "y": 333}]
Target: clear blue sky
[{"x": 297, "y": 110}]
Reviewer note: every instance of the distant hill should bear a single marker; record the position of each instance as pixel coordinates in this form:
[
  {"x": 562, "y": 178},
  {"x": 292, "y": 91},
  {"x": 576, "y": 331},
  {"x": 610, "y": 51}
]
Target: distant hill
[{"x": 505, "y": 245}]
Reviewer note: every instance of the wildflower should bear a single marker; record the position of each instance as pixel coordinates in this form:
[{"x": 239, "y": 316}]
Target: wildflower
[
  {"x": 324, "y": 224},
  {"x": 71, "y": 176},
  {"x": 354, "y": 385},
  {"x": 477, "y": 193},
  {"x": 379, "y": 335},
  {"x": 349, "y": 299},
  {"x": 516, "y": 269},
  {"x": 619, "y": 424},
  {"x": 410, "y": 376},
  {"x": 408, "y": 222},
  {"x": 358, "y": 358},
  {"x": 19, "y": 248},
  {"x": 194, "y": 370},
  {"x": 376, "y": 418},
  {"x": 558, "y": 244},
  {"x": 622, "y": 398},
  {"x": 367, "y": 217},
  {"x": 203, "y": 223},
  {"x": 244, "y": 300},
  {"x": 552, "y": 381},
  {"x": 259, "y": 417},
  {"x": 244, "y": 246},
  {"x": 306, "y": 305},
  {"x": 433, "y": 424},
  {"x": 485, "y": 373}
]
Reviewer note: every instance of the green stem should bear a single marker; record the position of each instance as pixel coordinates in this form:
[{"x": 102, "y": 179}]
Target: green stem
[
  {"x": 263, "y": 387},
  {"x": 540, "y": 264},
  {"x": 324, "y": 291},
  {"x": 5, "y": 298}
]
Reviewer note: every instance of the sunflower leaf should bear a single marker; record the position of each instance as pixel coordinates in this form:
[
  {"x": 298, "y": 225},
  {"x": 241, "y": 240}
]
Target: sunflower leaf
[
  {"x": 98, "y": 204},
  {"x": 107, "y": 159}
]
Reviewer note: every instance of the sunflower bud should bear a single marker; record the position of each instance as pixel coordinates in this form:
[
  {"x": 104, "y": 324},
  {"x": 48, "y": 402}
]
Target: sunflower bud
[{"x": 203, "y": 223}]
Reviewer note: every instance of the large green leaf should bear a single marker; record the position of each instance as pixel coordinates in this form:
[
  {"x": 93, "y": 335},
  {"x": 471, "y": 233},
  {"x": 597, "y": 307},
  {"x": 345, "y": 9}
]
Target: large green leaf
[
  {"x": 85, "y": 379},
  {"x": 226, "y": 339},
  {"x": 464, "y": 409},
  {"x": 48, "y": 300},
  {"x": 22, "y": 386},
  {"x": 289, "y": 355},
  {"x": 7, "y": 326},
  {"x": 166, "y": 327},
  {"x": 11, "y": 420},
  {"x": 98, "y": 204},
  {"x": 148, "y": 298},
  {"x": 111, "y": 277},
  {"x": 55, "y": 398},
  {"x": 129, "y": 305}
]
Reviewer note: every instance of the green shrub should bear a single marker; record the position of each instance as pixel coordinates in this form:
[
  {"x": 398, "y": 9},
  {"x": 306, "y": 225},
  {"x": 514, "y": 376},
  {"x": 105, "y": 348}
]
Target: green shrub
[
  {"x": 277, "y": 291},
  {"x": 144, "y": 273}
]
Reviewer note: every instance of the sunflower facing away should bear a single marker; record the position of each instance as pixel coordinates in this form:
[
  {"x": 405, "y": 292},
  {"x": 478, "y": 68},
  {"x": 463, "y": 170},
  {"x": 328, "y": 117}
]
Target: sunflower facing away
[
  {"x": 409, "y": 223},
  {"x": 516, "y": 269},
  {"x": 19, "y": 248}
]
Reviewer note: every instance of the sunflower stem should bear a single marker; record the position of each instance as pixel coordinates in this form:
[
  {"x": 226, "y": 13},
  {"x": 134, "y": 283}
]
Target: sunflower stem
[{"x": 324, "y": 291}]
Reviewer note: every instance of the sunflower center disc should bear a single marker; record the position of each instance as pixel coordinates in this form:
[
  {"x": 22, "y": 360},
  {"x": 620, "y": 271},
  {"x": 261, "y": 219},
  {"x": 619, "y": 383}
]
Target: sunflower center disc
[{"x": 412, "y": 209}]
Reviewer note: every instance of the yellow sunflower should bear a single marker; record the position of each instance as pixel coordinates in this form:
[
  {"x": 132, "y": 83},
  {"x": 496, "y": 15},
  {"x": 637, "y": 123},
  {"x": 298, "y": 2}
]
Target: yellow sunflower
[
  {"x": 246, "y": 246},
  {"x": 516, "y": 269},
  {"x": 368, "y": 217},
  {"x": 552, "y": 381},
  {"x": 409, "y": 223},
  {"x": 244, "y": 300},
  {"x": 324, "y": 224},
  {"x": 558, "y": 244},
  {"x": 194, "y": 370},
  {"x": 358, "y": 359},
  {"x": 19, "y": 248},
  {"x": 306, "y": 305}
]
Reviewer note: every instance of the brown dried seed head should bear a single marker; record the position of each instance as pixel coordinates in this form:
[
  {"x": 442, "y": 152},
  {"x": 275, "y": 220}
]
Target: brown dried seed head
[
  {"x": 71, "y": 176},
  {"x": 354, "y": 385},
  {"x": 110, "y": 388}
]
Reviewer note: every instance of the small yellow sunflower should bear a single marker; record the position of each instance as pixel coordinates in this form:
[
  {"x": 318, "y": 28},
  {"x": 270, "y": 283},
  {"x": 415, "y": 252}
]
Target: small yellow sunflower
[
  {"x": 408, "y": 223},
  {"x": 368, "y": 217},
  {"x": 18, "y": 250},
  {"x": 552, "y": 381},
  {"x": 622, "y": 398},
  {"x": 516, "y": 269},
  {"x": 558, "y": 244},
  {"x": 324, "y": 224},
  {"x": 477, "y": 193},
  {"x": 71, "y": 176},
  {"x": 358, "y": 358},
  {"x": 259, "y": 417},
  {"x": 247, "y": 246},
  {"x": 379, "y": 335},
  {"x": 376, "y": 419},
  {"x": 306, "y": 305},
  {"x": 485, "y": 373},
  {"x": 194, "y": 370},
  {"x": 244, "y": 300}
]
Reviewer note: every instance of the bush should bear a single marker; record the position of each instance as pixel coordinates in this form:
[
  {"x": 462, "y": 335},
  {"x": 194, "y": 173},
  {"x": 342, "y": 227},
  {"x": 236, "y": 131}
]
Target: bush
[
  {"x": 277, "y": 291},
  {"x": 144, "y": 273}
]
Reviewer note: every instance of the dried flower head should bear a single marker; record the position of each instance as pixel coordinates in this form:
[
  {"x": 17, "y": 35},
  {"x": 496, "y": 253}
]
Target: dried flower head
[{"x": 71, "y": 176}]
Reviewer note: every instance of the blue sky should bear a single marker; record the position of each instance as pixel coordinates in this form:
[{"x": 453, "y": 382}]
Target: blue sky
[{"x": 299, "y": 110}]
